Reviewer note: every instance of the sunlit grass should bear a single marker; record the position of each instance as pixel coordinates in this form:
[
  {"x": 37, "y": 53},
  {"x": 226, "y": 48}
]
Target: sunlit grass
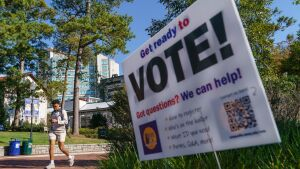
[
  {"x": 42, "y": 138},
  {"x": 274, "y": 156}
]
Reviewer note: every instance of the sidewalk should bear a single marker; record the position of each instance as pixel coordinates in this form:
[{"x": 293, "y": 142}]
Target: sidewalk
[{"x": 82, "y": 161}]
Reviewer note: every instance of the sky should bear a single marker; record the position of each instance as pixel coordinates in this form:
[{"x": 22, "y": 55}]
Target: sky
[
  {"x": 143, "y": 11},
  {"x": 288, "y": 9}
]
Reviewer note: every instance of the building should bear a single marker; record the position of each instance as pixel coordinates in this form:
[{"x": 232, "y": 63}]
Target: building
[
  {"x": 87, "y": 80},
  {"x": 87, "y": 110},
  {"x": 90, "y": 99},
  {"x": 41, "y": 108},
  {"x": 109, "y": 86},
  {"x": 91, "y": 74},
  {"x": 106, "y": 67}
]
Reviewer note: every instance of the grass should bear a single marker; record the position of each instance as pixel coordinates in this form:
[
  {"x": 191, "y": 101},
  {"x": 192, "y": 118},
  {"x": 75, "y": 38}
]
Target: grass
[
  {"x": 275, "y": 156},
  {"x": 42, "y": 138}
]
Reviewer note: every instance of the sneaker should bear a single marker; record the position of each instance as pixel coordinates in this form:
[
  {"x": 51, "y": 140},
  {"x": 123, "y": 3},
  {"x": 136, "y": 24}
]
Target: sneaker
[
  {"x": 71, "y": 161},
  {"x": 50, "y": 166}
]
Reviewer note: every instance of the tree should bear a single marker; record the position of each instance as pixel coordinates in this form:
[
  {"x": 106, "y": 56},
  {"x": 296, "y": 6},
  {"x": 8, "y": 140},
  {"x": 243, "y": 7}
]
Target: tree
[
  {"x": 297, "y": 2},
  {"x": 67, "y": 67},
  {"x": 25, "y": 29},
  {"x": 93, "y": 28},
  {"x": 120, "y": 108},
  {"x": 54, "y": 88},
  {"x": 61, "y": 45},
  {"x": 16, "y": 89},
  {"x": 291, "y": 65},
  {"x": 121, "y": 112},
  {"x": 286, "y": 58},
  {"x": 22, "y": 37},
  {"x": 174, "y": 8},
  {"x": 259, "y": 20}
]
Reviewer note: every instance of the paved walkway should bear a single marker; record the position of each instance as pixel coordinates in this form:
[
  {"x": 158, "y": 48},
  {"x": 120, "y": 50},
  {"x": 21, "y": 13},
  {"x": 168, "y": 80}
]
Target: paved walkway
[{"x": 82, "y": 161}]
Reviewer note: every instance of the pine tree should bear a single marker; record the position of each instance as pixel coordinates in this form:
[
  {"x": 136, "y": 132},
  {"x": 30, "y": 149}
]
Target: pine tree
[
  {"x": 23, "y": 31},
  {"x": 93, "y": 27}
]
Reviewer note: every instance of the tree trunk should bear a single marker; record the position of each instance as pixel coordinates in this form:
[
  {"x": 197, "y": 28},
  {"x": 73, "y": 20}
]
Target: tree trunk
[
  {"x": 76, "y": 78},
  {"x": 76, "y": 93},
  {"x": 16, "y": 122},
  {"x": 88, "y": 7},
  {"x": 17, "y": 116},
  {"x": 22, "y": 66},
  {"x": 65, "y": 82}
]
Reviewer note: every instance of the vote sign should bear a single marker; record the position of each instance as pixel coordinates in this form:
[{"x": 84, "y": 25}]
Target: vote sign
[{"x": 194, "y": 86}]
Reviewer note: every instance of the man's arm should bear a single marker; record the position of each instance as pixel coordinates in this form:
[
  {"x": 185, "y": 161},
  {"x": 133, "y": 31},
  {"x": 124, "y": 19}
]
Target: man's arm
[{"x": 65, "y": 121}]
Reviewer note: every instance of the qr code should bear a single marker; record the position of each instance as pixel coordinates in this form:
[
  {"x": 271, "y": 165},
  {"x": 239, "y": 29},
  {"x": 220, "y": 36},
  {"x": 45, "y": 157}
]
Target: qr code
[{"x": 240, "y": 114}]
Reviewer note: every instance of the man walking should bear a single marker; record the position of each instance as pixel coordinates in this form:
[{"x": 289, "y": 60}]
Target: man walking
[{"x": 57, "y": 132}]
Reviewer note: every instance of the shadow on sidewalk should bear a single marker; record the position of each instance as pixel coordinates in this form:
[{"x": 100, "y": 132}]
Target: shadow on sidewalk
[{"x": 81, "y": 161}]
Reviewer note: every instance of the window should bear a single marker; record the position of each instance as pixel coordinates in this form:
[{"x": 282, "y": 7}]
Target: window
[
  {"x": 70, "y": 73},
  {"x": 104, "y": 61}
]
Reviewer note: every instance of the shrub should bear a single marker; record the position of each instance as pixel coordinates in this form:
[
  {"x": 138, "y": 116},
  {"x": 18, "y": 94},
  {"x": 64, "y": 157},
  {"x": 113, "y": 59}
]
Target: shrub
[
  {"x": 26, "y": 126},
  {"x": 119, "y": 134},
  {"x": 98, "y": 120},
  {"x": 120, "y": 137},
  {"x": 284, "y": 97},
  {"x": 7, "y": 126},
  {"x": 90, "y": 133},
  {"x": 123, "y": 133}
]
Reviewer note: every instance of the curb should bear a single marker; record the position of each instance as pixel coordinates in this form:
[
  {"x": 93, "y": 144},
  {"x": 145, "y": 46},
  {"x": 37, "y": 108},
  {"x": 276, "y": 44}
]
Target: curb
[
  {"x": 73, "y": 149},
  {"x": 56, "y": 155}
]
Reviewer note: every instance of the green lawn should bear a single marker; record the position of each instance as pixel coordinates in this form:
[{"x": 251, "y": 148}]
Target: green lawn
[{"x": 42, "y": 138}]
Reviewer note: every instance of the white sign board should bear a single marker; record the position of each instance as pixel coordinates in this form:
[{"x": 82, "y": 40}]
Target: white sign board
[
  {"x": 27, "y": 109},
  {"x": 36, "y": 106},
  {"x": 194, "y": 86}
]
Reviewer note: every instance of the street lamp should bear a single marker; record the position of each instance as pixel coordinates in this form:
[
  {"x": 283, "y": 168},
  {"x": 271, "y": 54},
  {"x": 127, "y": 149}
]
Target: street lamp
[{"x": 32, "y": 88}]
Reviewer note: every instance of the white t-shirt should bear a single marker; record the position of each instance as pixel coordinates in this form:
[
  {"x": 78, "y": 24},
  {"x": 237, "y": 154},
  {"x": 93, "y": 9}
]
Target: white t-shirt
[{"x": 59, "y": 126}]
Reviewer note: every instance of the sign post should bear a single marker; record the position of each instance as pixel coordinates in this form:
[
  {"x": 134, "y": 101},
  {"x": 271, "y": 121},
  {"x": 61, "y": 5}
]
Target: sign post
[
  {"x": 212, "y": 147},
  {"x": 194, "y": 86},
  {"x": 31, "y": 109},
  {"x": 31, "y": 118}
]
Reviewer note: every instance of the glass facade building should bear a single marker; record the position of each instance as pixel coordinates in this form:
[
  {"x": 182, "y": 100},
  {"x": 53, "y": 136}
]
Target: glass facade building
[{"x": 90, "y": 74}]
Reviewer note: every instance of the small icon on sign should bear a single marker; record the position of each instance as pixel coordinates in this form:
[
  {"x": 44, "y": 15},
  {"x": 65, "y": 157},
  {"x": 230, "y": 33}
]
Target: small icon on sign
[{"x": 150, "y": 138}]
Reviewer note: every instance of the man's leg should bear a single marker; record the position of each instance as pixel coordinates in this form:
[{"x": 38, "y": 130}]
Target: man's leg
[
  {"x": 61, "y": 146},
  {"x": 52, "y": 138},
  {"x": 51, "y": 149}
]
